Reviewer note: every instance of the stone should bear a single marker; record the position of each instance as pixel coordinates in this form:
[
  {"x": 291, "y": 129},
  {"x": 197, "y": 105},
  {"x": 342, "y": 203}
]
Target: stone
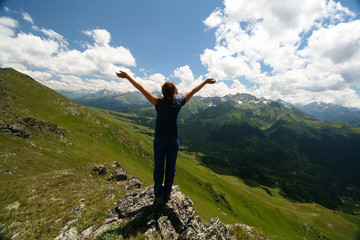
[
  {"x": 70, "y": 234},
  {"x": 7, "y": 172},
  {"x": 101, "y": 170},
  {"x": 216, "y": 229},
  {"x": 116, "y": 165},
  {"x": 86, "y": 233},
  {"x": 15, "y": 127},
  {"x": 167, "y": 231},
  {"x": 119, "y": 175},
  {"x": 13, "y": 206},
  {"x": 132, "y": 183}
]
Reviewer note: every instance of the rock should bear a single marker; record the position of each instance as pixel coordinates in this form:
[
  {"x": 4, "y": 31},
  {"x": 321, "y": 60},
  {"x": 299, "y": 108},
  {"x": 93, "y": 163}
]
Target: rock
[
  {"x": 216, "y": 229},
  {"x": 15, "y": 236},
  {"x": 80, "y": 208},
  {"x": 13, "y": 206},
  {"x": 70, "y": 234},
  {"x": 119, "y": 175},
  {"x": 136, "y": 214},
  {"x": 101, "y": 170},
  {"x": 64, "y": 174},
  {"x": 132, "y": 183},
  {"x": 172, "y": 220},
  {"x": 15, "y": 127},
  {"x": 86, "y": 233},
  {"x": 110, "y": 197},
  {"x": 167, "y": 231},
  {"x": 116, "y": 165},
  {"x": 195, "y": 230},
  {"x": 7, "y": 172}
]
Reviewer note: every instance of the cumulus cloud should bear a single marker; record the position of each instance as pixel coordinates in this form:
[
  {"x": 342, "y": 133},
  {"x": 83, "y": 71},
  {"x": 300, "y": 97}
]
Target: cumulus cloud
[
  {"x": 293, "y": 50},
  {"x": 46, "y": 54}
]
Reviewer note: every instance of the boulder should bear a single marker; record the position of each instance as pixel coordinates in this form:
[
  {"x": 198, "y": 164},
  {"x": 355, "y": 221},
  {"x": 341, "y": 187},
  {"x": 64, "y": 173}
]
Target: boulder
[
  {"x": 118, "y": 175},
  {"x": 101, "y": 170}
]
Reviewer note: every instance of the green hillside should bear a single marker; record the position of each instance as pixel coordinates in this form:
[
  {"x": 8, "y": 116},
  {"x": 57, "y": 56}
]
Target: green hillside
[
  {"x": 310, "y": 161},
  {"x": 50, "y": 144}
]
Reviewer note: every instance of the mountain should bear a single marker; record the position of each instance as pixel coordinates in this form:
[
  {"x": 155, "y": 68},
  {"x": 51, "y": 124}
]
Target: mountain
[
  {"x": 331, "y": 112},
  {"x": 49, "y": 146},
  {"x": 279, "y": 146},
  {"x": 121, "y": 102},
  {"x": 351, "y": 117}
]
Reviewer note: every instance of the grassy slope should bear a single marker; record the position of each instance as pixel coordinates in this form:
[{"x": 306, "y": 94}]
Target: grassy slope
[{"x": 96, "y": 136}]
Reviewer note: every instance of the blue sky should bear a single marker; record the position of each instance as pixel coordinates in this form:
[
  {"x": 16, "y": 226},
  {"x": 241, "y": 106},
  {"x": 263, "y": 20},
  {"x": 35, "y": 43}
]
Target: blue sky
[{"x": 294, "y": 50}]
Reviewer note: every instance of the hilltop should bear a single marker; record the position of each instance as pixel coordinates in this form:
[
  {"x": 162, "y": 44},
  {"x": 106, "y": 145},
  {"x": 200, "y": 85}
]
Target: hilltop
[{"x": 50, "y": 144}]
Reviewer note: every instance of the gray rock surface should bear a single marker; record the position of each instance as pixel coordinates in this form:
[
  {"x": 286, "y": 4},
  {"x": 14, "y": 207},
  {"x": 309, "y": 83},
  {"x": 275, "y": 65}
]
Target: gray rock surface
[
  {"x": 176, "y": 219},
  {"x": 137, "y": 214}
]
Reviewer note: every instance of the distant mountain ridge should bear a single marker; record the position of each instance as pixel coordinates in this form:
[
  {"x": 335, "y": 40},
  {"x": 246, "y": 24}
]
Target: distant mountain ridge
[
  {"x": 128, "y": 101},
  {"x": 331, "y": 112}
]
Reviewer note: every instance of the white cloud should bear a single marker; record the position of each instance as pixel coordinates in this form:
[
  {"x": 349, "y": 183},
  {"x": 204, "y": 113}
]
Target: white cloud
[
  {"x": 101, "y": 36},
  {"x": 6, "y": 26},
  {"x": 157, "y": 78},
  {"x": 27, "y": 17},
  {"x": 186, "y": 76},
  {"x": 214, "y": 19},
  {"x": 38, "y": 75},
  {"x": 311, "y": 49},
  {"x": 49, "y": 53}
]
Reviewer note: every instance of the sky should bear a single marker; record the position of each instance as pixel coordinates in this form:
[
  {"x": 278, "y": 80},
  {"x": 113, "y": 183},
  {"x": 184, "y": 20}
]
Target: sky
[{"x": 294, "y": 50}]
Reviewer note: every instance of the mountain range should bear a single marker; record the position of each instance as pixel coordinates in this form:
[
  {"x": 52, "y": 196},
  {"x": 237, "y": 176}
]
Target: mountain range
[
  {"x": 241, "y": 161},
  {"x": 128, "y": 101},
  {"x": 331, "y": 112}
]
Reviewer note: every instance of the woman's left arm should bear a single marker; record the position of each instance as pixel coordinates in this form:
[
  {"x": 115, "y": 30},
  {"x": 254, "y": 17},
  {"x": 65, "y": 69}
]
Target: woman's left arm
[{"x": 149, "y": 96}]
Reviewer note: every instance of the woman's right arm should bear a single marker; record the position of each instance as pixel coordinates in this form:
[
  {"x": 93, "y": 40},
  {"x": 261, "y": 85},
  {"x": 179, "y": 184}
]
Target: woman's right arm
[
  {"x": 149, "y": 96},
  {"x": 197, "y": 88}
]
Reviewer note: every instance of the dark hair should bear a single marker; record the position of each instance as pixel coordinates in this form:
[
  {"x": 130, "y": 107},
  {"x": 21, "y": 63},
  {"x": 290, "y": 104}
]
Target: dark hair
[{"x": 168, "y": 90}]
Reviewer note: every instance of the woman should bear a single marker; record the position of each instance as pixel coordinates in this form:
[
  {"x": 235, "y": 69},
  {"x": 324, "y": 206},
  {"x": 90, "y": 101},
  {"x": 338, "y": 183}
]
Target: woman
[{"x": 166, "y": 143}]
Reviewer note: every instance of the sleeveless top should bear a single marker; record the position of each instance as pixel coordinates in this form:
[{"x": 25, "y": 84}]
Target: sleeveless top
[{"x": 166, "y": 126}]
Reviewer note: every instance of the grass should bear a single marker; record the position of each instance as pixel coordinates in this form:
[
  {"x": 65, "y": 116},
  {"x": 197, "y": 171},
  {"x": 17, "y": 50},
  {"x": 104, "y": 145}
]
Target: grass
[{"x": 49, "y": 200}]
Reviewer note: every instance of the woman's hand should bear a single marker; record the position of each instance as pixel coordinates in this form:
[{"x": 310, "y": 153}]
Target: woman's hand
[
  {"x": 122, "y": 74},
  {"x": 210, "y": 80}
]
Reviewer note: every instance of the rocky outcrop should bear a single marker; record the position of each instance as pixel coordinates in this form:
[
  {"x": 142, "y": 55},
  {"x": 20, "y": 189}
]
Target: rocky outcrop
[
  {"x": 136, "y": 214},
  {"x": 101, "y": 170},
  {"x": 24, "y": 128}
]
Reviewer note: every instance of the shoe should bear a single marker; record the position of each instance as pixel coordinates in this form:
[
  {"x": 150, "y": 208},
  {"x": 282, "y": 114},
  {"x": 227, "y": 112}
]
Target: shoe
[
  {"x": 167, "y": 197},
  {"x": 158, "y": 200}
]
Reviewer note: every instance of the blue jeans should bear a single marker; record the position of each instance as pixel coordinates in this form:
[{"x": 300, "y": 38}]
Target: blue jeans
[{"x": 165, "y": 151}]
